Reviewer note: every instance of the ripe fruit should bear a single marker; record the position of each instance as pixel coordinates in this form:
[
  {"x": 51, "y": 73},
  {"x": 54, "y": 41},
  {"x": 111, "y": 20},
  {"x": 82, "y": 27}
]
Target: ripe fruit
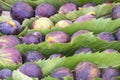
[
  {"x": 57, "y": 36},
  {"x": 4, "y": 73},
  {"x": 61, "y": 72},
  {"x": 116, "y": 12},
  {"x": 33, "y": 38},
  {"x": 67, "y": 7},
  {"x": 8, "y": 41},
  {"x": 106, "y": 36},
  {"x": 10, "y": 27},
  {"x": 45, "y": 10},
  {"x": 10, "y": 56},
  {"x": 31, "y": 70},
  {"x": 63, "y": 23},
  {"x": 89, "y": 4},
  {"x": 109, "y": 51},
  {"x": 84, "y": 50},
  {"x": 32, "y": 56},
  {"x": 117, "y": 34},
  {"x": 86, "y": 71},
  {"x": 21, "y": 10},
  {"x": 84, "y": 18},
  {"x": 79, "y": 33},
  {"x": 110, "y": 74},
  {"x": 42, "y": 24},
  {"x": 55, "y": 56}
]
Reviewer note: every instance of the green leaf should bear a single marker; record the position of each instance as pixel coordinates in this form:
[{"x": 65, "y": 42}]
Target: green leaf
[
  {"x": 28, "y": 22},
  {"x": 85, "y": 40},
  {"x": 9, "y": 78},
  {"x": 102, "y": 60},
  {"x": 49, "y": 78},
  {"x": 11, "y": 66},
  {"x": 6, "y": 5},
  {"x": 100, "y": 10},
  {"x": 22, "y": 33},
  {"x": 117, "y": 78},
  {"x": 17, "y": 75},
  {"x": 57, "y": 3},
  {"x": 57, "y": 17},
  {"x": 94, "y": 25}
]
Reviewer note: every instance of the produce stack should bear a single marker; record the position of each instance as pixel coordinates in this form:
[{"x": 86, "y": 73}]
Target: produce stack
[{"x": 60, "y": 40}]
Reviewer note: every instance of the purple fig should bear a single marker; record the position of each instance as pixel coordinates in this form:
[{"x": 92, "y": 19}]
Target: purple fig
[
  {"x": 42, "y": 24},
  {"x": 109, "y": 51},
  {"x": 86, "y": 71},
  {"x": 9, "y": 41},
  {"x": 10, "y": 56},
  {"x": 89, "y": 4},
  {"x": 117, "y": 34},
  {"x": 84, "y": 50},
  {"x": 21, "y": 10},
  {"x": 4, "y": 73},
  {"x": 79, "y": 33},
  {"x": 110, "y": 73},
  {"x": 116, "y": 12},
  {"x": 67, "y": 7},
  {"x": 31, "y": 70},
  {"x": 63, "y": 23},
  {"x": 10, "y": 27},
  {"x": 32, "y": 56},
  {"x": 57, "y": 36},
  {"x": 45, "y": 10},
  {"x": 85, "y": 18},
  {"x": 33, "y": 38},
  {"x": 55, "y": 56},
  {"x": 106, "y": 36},
  {"x": 61, "y": 72}
]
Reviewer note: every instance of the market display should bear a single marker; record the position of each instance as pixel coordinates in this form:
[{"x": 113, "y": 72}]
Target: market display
[{"x": 59, "y": 40}]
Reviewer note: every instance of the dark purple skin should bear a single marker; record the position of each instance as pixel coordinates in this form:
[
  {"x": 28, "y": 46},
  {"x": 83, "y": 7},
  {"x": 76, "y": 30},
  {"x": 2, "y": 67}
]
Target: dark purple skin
[
  {"x": 0, "y": 10},
  {"x": 10, "y": 27},
  {"x": 86, "y": 71},
  {"x": 32, "y": 56},
  {"x": 85, "y": 18},
  {"x": 10, "y": 55},
  {"x": 4, "y": 73},
  {"x": 33, "y": 38},
  {"x": 57, "y": 36},
  {"x": 109, "y": 51},
  {"x": 116, "y": 12},
  {"x": 110, "y": 74},
  {"x": 84, "y": 50},
  {"x": 117, "y": 34},
  {"x": 55, "y": 56},
  {"x": 106, "y": 36},
  {"x": 89, "y": 4},
  {"x": 79, "y": 33},
  {"x": 45, "y": 10},
  {"x": 31, "y": 70},
  {"x": 61, "y": 72},
  {"x": 9, "y": 41},
  {"x": 67, "y": 7},
  {"x": 21, "y": 10}
]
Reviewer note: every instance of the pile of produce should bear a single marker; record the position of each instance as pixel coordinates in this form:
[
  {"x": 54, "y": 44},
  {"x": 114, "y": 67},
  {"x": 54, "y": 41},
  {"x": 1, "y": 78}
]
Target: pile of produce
[{"x": 59, "y": 40}]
